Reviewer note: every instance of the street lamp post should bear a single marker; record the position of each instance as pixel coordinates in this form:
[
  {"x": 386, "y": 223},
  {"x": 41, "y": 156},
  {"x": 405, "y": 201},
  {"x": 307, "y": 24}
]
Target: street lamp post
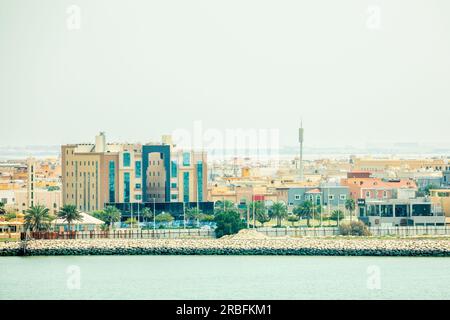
[{"x": 154, "y": 216}]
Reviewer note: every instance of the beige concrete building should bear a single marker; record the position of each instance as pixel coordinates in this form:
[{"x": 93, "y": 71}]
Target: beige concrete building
[
  {"x": 50, "y": 199},
  {"x": 100, "y": 173},
  {"x": 189, "y": 173},
  {"x": 441, "y": 199}
]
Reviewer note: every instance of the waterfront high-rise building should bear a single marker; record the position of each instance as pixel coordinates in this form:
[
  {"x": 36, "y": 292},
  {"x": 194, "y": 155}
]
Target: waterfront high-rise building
[{"x": 105, "y": 173}]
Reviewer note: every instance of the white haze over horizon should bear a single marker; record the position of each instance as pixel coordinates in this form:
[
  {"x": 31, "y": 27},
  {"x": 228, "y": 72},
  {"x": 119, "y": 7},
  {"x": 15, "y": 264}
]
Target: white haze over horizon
[{"x": 358, "y": 73}]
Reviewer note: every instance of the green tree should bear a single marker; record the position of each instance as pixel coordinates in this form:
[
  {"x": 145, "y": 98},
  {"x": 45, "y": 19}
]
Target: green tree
[
  {"x": 278, "y": 211},
  {"x": 38, "y": 218},
  {"x": 228, "y": 222},
  {"x": 111, "y": 215},
  {"x": 193, "y": 214},
  {"x": 304, "y": 210},
  {"x": 70, "y": 213},
  {"x": 259, "y": 209},
  {"x": 350, "y": 206},
  {"x": 164, "y": 217},
  {"x": 262, "y": 217},
  {"x": 292, "y": 218},
  {"x": 147, "y": 214}
]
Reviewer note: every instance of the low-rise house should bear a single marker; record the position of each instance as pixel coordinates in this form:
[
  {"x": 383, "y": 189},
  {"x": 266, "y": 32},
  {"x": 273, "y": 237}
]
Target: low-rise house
[
  {"x": 329, "y": 197},
  {"x": 400, "y": 212},
  {"x": 376, "y": 188}
]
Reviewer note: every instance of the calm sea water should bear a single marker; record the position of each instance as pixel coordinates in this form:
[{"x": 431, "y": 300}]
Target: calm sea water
[{"x": 224, "y": 277}]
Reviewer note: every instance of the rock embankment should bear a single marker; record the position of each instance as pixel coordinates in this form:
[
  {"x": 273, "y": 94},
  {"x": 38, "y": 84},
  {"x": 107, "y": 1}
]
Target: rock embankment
[{"x": 241, "y": 244}]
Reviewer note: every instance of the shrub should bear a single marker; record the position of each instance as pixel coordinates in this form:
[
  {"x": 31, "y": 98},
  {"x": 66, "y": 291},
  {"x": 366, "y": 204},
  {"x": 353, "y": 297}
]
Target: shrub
[
  {"x": 337, "y": 215},
  {"x": 354, "y": 228},
  {"x": 228, "y": 222},
  {"x": 164, "y": 217}
]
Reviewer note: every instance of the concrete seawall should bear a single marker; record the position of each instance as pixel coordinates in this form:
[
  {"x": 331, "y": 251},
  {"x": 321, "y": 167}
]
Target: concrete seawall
[{"x": 230, "y": 246}]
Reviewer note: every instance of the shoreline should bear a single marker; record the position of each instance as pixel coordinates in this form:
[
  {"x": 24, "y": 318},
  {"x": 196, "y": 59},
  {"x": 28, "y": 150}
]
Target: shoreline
[{"x": 230, "y": 246}]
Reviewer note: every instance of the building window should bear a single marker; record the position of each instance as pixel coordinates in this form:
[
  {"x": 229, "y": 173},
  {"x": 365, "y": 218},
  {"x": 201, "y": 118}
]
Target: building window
[
  {"x": 126, "y": 159},
  {"x": 200, "y": 180},
  {"x": 173, "y": 169},
  {"x": 367, "y": 194},
  {"x": 185, "y": 186},
  {"x": 138, "y": 169},
  {"x": 173, "y": 185},
  {"x": 342, "y": 196},
  {"x": 126, "y": 187},
  {"x": 385, "y": 195},
  {"x": 186, "y": 159},
  {"x": 297, "y": 197},
  {"x": 138, "y": 186},
  {"x": 331, "y": 197},
  {"x": 112, "y": 181},
  {"x": 173, "y": 196},
  {"x": 138, "y": 197}
]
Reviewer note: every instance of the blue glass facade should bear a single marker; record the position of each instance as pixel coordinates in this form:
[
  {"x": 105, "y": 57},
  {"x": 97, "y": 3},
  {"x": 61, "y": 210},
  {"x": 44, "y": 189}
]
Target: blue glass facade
[
  {"x": 138, "y": 169},
  {"x": 185, "y": 186},
  {"x": 126, "y": 187},
  {"x": 186, "y": 159},
  {"x": 112, "y": 181},
  {"x": 173, "y": 169},
  {"x": 200, "y": 180},
  {"x": 126, "y": 159}
]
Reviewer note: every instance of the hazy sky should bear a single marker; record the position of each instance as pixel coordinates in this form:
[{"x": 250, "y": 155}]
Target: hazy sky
[{"x": 356, "y": 71}]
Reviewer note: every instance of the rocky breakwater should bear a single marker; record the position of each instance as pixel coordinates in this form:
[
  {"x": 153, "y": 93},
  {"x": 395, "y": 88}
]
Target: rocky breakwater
[{"x": 244, "y": 243}]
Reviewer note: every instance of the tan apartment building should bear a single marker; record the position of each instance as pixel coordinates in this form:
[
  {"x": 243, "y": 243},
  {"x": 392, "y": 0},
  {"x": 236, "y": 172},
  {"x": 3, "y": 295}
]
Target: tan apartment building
[
  {"x": 96, "y": 174},
  {"x": 188, "y": 178}
]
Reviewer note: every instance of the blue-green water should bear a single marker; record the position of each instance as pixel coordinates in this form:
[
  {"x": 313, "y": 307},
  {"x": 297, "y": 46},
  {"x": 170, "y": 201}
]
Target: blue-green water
[{"x": 224, "y": 277}]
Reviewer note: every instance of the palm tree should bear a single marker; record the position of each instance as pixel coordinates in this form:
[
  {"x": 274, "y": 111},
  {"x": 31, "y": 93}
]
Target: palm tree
[
  {"x": 147, "y": 214},
  {"x": 70, "y": 213},
  {"x": 278, "y": 211},
  {"x": 38, "y": 218},
  {"x": 337, "y": 215},
  {"x": 194, "y": 214},
  {"x": 304, "y": 210},
  {"x": 350, "y": 206},
  {"x": 112, "y": 215},
  {"x": 223, "y": 206}
]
